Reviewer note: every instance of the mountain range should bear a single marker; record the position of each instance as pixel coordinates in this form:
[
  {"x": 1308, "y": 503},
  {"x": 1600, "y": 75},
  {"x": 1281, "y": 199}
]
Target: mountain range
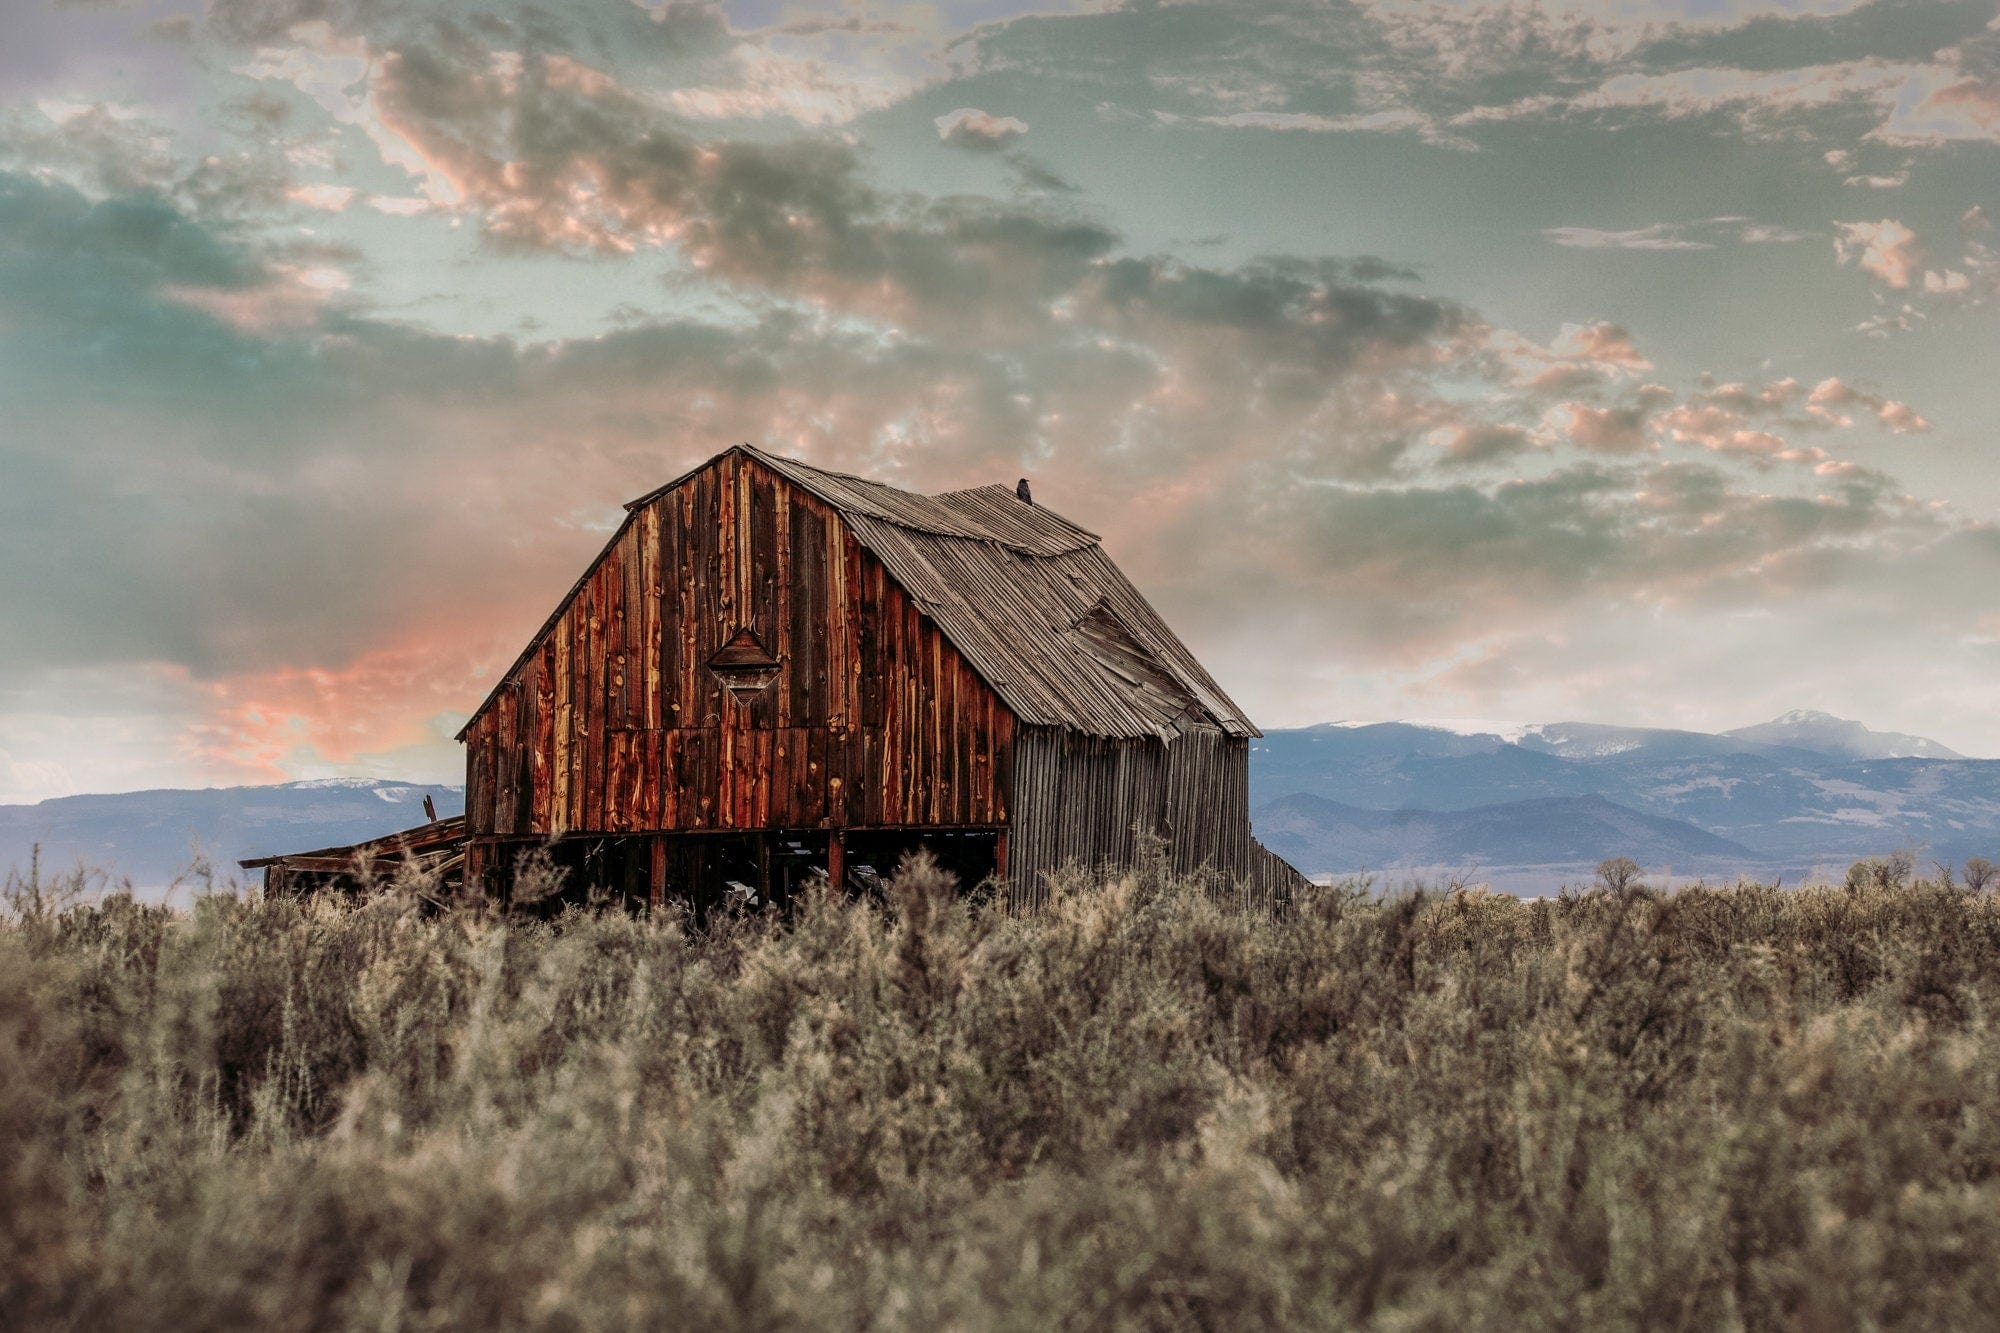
[
  {"x": 1803, "y": 792},
  {"x": 154, "y": 838},
  {"x": 1522, "y": 807},
  {"x": 1556, "y": 830}
]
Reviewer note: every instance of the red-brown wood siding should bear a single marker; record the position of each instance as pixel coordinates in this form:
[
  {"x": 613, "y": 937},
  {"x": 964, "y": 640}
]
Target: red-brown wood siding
[{"x": 614, "y": 724}]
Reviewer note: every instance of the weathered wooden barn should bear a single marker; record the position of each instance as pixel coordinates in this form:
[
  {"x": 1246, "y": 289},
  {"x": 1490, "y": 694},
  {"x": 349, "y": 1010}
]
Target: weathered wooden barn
[{"x": 773, "y": 671}]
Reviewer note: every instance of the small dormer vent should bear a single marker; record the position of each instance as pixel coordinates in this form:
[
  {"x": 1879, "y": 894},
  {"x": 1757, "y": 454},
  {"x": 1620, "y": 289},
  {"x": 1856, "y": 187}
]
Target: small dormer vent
[{"x": 744, "y": 666}]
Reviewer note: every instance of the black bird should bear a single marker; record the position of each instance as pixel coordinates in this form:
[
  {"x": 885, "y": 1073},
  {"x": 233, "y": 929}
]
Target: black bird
[{"x": 1021, "y": 489}]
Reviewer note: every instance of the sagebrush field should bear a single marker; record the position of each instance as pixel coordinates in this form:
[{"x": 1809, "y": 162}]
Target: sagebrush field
[{"x": 1711, "y": 1108}]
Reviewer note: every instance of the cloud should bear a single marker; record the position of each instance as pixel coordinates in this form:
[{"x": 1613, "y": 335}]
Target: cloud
[
  {"x": 1412, "y": 578},
  {"x": 1763, "y": 100},
  {"x": 981, "y": 131},
  {"x": 401, "y": 206},
  {"x": 1602, "y": 344},
  {"x": 1887, "y": 249},
  {"x": 1831, "y": 398},
  {"x": 287, "y": 297},
  {"x": 1607, "y": 430},
  {"x": 1758, "y": 422},
  {"x": 1475, "y": 442},
  {"x": 1958, "y": 98},
  {"x": 1887, "y": 323},
  {"x": 1293, "y": 452},
  {"x": 321, "y": 437},
  {"x": 1701, "y": 234},
  {"x": 760, "y": 84},
  {"x": 1723, "y": 432},
  {"x": 1281, "y": 397},
  {"x": 1398, "y": 120},
  {"x": 1654, "y": 236},
  {"x": 1834, "y": 76},
  {"x": 331, "y": 198}
]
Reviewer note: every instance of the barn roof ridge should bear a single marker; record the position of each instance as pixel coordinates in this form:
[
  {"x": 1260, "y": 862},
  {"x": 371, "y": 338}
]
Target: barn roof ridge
[{"x": 992, "y": 512}]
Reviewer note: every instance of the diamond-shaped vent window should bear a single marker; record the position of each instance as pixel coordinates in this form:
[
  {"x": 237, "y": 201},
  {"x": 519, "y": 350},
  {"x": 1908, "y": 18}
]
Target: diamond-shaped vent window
[{"x": 744, "y": 667}]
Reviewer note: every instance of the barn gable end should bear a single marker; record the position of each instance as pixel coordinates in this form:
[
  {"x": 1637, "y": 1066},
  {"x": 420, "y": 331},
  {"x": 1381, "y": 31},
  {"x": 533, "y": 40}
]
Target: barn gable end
[{"x": 620, "y": 718}]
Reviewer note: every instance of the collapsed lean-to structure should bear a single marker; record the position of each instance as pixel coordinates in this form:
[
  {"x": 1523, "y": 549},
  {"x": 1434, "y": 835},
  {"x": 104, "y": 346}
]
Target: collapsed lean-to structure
[{"x": 774, "y": 671}]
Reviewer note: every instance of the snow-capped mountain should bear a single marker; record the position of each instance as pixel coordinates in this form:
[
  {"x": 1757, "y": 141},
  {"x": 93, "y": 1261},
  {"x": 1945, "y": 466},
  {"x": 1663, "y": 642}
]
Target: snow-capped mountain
[
  {"x": 1823, "y": 733},
  {"x": 1800, "y": 729},
  {"x": 1804, "y": 791}
]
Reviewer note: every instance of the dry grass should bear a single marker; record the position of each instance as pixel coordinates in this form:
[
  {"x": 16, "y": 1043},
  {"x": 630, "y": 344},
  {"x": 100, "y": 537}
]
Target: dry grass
[{"x": 1718, "y": 1107}]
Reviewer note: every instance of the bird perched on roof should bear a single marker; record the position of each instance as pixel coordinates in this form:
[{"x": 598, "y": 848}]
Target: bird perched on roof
[{"x": 1021, "y": 489}]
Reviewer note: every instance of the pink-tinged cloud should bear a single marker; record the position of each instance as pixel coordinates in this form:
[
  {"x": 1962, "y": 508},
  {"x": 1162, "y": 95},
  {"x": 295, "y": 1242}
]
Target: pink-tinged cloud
[
  {"x": 264, "y": 725},
  {"x": 758, "y": 83},
  {"x": 329, "y": 198},
  {"x": 1601, "y": 344},
  {"x": 1961, "y": 108},
  {"x": 1887, "y": 249},
  {"x": 1832, "y": 397},
  {"x": 336, "y": 71},
  {"x": 1607, "y": 430},
  {"x": 969, "y": 127},
  {"x": 1774, "y": 397},
  {"x": 288, "y": 299}
]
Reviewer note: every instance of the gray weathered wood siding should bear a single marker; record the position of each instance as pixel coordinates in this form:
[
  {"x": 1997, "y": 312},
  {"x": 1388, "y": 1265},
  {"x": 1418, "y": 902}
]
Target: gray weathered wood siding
[{"x": 1084, "y": 800}]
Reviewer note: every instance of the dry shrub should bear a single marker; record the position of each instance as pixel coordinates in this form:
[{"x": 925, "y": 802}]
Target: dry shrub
[{"x": 1138, "y": 1107}]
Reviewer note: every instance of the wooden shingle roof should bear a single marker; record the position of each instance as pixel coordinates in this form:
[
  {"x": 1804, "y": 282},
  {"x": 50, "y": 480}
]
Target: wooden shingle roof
[{"x": 1033, "y": 603}]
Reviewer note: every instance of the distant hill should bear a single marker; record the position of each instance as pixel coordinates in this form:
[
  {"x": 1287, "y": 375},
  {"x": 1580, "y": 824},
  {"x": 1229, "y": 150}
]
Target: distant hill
[
  {"x": 1802, "y": 791},
  {"x": 152, "y": 837},
  {"x": 1561, "y": 830}
]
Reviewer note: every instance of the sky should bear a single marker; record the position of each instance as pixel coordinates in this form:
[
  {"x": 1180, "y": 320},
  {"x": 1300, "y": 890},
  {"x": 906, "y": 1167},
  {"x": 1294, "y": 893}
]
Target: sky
[{"x": 1630, "y": 361}]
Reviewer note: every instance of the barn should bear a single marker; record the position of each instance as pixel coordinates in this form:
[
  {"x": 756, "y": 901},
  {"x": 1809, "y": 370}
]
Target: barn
[{"x": 773, "y": 671}]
